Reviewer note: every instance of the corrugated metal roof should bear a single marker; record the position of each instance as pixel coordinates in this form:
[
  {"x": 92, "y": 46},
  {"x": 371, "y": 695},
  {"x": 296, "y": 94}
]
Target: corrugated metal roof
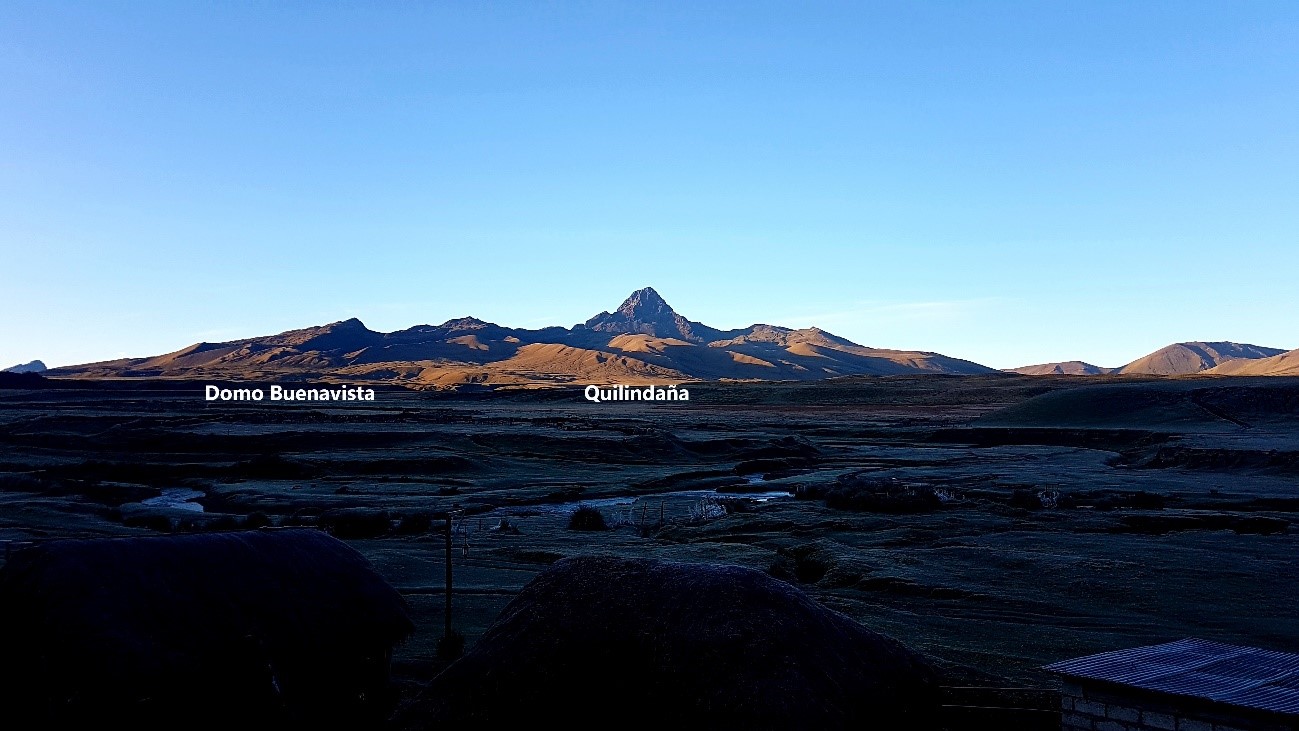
[{"x": 1240, "y": 676}]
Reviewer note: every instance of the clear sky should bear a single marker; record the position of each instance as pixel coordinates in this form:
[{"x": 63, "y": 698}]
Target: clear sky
[{"x": 1011, "y": 183}]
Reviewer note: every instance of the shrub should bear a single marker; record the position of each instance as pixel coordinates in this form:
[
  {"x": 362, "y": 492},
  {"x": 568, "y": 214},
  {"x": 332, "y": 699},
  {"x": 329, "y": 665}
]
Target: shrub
[
  {"x": 415, "y": 524},
  {"x": 19, "y": 482},
  {"x": 587, "y": 518},
  {"x": 1262, "y": 525},
  {"x": 1140, "y": 500},
  {"x": 874, "y": 495},
  {"x": 300, "y": 519},
  {"x": 273, "y": 467},
  {"x": 1146, "y": 500},
  {"x": 356, "y": 523},
  {"x": 804, "y": 564},
  {"x": 1027, "y": 499},
  {"x": 505, "y": 528},
  {"x": 160, "y": 523},
  {"x": 705, "y": 510},
  {"x": 735, "y": 505},
  {"x": 257, "y": 519},
  {"x": 220, "y": 522}
]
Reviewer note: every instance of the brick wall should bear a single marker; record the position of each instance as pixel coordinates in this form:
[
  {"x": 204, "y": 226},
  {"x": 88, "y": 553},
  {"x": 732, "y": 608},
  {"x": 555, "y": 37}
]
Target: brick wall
[{"x": 1085, "y": 708}]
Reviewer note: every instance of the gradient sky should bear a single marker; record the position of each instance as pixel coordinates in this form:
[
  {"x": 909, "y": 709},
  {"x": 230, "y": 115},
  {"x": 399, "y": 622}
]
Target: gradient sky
[{"x": 1011, "y": 183}]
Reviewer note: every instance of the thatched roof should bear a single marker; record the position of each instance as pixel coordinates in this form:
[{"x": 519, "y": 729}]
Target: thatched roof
[
  {"x": 289, "y": 624},
  {"x": 595, "y": 642}
]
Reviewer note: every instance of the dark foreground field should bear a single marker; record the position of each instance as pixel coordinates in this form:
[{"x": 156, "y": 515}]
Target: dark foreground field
[{"x": 994, "y": 523}]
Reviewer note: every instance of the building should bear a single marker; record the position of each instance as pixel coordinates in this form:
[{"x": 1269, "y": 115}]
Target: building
[{"x": 1188, "y": 685}]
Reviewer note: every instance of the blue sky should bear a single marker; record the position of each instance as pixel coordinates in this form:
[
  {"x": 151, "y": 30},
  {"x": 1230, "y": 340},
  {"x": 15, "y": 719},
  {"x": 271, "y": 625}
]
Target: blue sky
[{"x": 1010, "y": 183}]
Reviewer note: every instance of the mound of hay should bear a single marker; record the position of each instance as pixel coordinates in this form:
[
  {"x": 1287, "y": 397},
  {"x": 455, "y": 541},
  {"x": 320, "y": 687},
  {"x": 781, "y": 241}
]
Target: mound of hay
[
  {"x": 600, "y": 642},
  {"x": 290, "y": 629}
]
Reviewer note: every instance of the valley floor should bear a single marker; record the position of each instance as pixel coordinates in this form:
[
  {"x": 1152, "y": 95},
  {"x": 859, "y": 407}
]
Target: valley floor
[{"x": 1045, "y": 532}]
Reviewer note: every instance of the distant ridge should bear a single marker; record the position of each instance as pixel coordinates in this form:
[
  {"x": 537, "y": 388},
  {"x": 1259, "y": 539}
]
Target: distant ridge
[
  {"x": 1194, "y": 357},
  {"x": 1285, "y": 364},
  {"x": 643, "y": 341},
  {"x": 35, "y": 366},
  {"x": 1067, "y": 368},
  {"x": 1178, "y": 359}
]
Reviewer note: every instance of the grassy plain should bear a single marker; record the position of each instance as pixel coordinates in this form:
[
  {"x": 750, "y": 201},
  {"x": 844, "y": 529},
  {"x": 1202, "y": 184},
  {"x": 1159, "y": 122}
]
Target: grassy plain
[{"x": 1060, "y": 515}]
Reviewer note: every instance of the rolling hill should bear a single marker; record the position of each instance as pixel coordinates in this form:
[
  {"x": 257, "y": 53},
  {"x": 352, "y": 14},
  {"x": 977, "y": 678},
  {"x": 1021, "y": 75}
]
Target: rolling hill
[
  {"x": 1178, "y": 359},
  {"x": 1195, "y": 357},
  {"x": 1284, "y": 364},
  {"x": 1067, "y": 368}
]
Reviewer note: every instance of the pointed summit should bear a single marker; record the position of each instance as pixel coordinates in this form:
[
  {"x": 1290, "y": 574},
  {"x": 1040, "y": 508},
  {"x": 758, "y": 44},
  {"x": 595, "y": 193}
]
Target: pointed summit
[
  {"x": 646, "y": 312},
  {"x": 644, "y": 304}
]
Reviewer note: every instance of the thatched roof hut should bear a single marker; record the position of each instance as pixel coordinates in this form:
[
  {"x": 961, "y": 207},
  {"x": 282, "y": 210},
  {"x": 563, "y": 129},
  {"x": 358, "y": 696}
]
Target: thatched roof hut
[
  {"x": 595, "y": 642},
  {"x": 288, "y": 628}
]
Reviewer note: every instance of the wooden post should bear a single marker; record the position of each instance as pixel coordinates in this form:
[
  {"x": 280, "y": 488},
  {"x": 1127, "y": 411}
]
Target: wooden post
[{"x": 447, "y": 631}]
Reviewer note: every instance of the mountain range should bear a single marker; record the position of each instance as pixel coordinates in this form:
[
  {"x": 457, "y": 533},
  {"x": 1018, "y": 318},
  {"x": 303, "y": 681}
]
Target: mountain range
[{"x": 643, "y": 341}]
